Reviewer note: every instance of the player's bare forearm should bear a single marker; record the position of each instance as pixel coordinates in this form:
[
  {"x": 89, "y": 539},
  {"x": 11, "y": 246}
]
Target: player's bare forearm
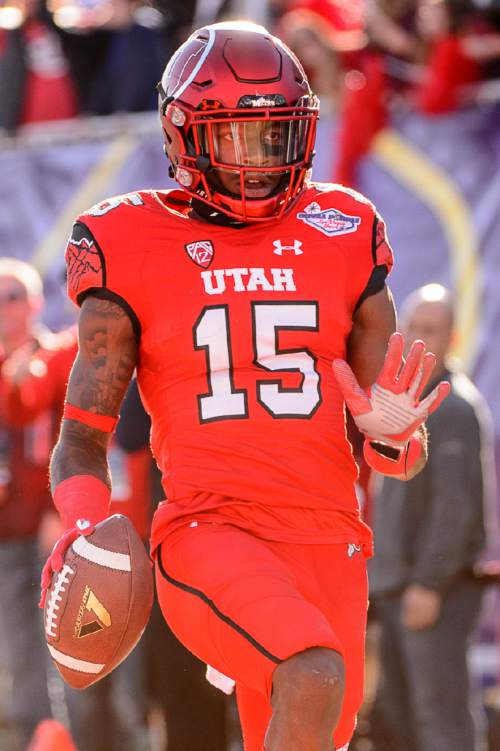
[
  {"x": 100, "y": 376},
  {"x": 373, "y": 324},
  {"x": 80, "y": 450}
]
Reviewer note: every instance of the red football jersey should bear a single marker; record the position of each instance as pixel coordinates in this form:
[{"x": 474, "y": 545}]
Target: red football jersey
[{"x": 237, "y": 330}]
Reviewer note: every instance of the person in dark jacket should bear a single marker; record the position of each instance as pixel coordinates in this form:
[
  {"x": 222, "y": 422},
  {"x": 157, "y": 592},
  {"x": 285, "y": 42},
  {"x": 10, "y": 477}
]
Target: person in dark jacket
[{"x": 429, "y": 535}]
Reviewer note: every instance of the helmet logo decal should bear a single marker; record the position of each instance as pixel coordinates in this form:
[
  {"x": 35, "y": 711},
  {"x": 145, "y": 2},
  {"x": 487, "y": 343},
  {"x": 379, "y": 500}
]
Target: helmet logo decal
[
  {"x": 279, "y": 247},
  {"x": 195, "y": 70},
  {"x": 330, "y": 222},
  {"x": 201, "y": 252},
  {"x": 262, "y": 100}
]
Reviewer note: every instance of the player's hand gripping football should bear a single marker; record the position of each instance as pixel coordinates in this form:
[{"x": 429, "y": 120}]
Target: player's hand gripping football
[
  {"x": 55, "y": 560},
  {"x": 390, "y": 410}
]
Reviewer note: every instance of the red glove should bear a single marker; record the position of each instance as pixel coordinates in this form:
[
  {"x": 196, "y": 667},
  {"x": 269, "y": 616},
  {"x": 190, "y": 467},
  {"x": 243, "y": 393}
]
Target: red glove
[
  {"x": 390, "y": 411},
  {"x": 55, "y": 561},
  {"x": 82, "y": 502}
]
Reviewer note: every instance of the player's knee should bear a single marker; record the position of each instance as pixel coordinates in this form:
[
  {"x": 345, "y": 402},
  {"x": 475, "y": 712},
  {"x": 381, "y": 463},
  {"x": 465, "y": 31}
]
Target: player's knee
[{"x": 317, "y": 673}]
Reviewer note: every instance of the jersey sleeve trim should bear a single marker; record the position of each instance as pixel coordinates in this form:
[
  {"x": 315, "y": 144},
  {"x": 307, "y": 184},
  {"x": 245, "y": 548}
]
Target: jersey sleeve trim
[
  {"x": 381, "y": 249},
  {"x": 107, "y": 294},
  {"x": 85, "y": 261},
  {"x": 86, "y": 229},
  {"x": 374, "y": 241},
  {"x": 375, "y": 284}
]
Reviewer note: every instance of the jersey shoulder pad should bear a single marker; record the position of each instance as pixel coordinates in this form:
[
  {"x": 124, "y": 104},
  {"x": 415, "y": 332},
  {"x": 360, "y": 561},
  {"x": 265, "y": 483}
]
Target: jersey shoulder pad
[
  {"x": 332, "y": 191},
  {"x": 109, "y": 205},
  {"x": 381, "y": 248}
]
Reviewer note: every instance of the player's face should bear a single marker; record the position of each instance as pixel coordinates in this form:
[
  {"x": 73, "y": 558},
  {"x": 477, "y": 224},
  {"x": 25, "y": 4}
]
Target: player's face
[
  {"x": 251, "y": 144},
  {"x": 15, "y": 308}
]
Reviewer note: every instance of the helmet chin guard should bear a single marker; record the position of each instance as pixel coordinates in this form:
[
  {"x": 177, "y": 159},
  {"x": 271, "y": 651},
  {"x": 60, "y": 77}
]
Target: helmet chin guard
[{"x": 239, "y": 120}]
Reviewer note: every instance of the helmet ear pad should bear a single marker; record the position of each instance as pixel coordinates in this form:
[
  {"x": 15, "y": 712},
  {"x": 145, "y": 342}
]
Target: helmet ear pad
[{"x": 175, "y": 144}]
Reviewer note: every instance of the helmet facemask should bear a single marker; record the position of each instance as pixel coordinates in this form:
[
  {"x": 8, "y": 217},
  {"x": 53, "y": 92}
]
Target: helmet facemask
[{"x": 248, "y": 163}]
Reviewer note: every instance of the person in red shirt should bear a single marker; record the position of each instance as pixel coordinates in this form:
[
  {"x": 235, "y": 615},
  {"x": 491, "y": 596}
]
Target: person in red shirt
[
  {"x": 232, "y": 298},
  {"x": 34, "y": 374},
  {"x": 35, "y": 77},
  {"x": 29, "y": 422}
]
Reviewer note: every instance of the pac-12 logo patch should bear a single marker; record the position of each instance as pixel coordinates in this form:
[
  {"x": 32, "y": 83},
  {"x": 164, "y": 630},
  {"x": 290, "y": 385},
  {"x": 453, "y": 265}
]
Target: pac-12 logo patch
[
  {"x": 330, "y": 222},
  {"x": 201, "y": 252}
]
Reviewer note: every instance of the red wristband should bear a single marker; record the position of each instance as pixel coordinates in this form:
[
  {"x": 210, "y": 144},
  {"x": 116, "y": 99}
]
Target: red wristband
[
  {"x": 82, "y": 497},
  {"x": 106, "y": 423},
  {"x": 408, "y": 457}
]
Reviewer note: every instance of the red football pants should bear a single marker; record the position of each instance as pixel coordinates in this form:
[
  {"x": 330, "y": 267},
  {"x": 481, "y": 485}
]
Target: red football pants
[{"x": 244, "y": 605}]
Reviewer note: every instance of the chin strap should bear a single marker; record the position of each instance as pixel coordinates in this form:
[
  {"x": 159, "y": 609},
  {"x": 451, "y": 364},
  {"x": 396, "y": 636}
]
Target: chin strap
[{"x": 209, "y": 214}]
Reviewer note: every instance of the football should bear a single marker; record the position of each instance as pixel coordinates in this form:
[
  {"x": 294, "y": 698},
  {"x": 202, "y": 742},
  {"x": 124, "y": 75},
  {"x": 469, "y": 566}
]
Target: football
[{"x": 98, "y": 605}]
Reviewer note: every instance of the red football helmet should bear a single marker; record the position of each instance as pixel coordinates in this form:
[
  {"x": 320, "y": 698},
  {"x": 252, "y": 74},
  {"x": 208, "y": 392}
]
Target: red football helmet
[{"x": 239, "y": 120}]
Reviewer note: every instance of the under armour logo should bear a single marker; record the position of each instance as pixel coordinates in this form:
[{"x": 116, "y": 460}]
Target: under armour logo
[
  {"x": 279, "y": 247},
  {"x": 352, "y": 549}
]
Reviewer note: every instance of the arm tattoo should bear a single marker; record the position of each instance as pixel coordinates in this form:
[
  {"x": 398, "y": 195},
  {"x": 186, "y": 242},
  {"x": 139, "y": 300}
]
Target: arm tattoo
[
  {"x": 106, "y": 360},
  {"x": 100, "y": 376}
]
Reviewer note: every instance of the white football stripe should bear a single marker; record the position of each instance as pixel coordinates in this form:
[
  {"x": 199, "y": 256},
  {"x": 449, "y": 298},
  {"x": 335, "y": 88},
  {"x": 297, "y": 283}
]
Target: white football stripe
[
  {"x": 84, "y": 548},
  {"x": 210, "y": 42},
  {"x": 82, "y": 666}
]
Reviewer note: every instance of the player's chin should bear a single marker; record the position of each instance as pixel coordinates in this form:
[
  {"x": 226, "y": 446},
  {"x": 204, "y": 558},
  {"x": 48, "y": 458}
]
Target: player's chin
[
  {"x": 254, "y": 188},
  {"x": 257, "y": 185},
  {"x": 256, "y": 192}
]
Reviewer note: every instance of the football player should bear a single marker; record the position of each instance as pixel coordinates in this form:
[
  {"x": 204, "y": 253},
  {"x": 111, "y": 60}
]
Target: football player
[{"x": 232, "y": 297}]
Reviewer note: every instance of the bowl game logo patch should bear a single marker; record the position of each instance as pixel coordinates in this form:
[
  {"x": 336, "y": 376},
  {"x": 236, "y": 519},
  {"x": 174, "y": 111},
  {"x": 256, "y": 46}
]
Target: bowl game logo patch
[{"x": 330, "y": 222}]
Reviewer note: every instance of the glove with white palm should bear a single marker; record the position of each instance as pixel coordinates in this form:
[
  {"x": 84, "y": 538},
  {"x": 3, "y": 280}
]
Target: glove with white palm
[{"x": 389, "y": 412}]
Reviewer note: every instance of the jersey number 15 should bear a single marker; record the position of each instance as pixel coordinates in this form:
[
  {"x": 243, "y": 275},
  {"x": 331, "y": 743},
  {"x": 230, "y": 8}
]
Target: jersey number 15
[{"x": 225, "y": 402}]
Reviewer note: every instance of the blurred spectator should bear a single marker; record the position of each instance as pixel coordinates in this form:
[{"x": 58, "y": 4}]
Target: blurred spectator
[
  {"x": 325, "y": 36},
  {"x": 429, "y": 534},
  {"x": 35, "y": 78},
  {"x": 60, "y": 58},
  {"x": 112, "y": 714},
  {"x": 427, "y": 54},
  {"x": 29, "y": 419},
  {"x": 194, "y": 711},
  {"x": 459, "y": 43},
  {"x": 136, "y": 53},
  {"x": 387, "y": 61}
]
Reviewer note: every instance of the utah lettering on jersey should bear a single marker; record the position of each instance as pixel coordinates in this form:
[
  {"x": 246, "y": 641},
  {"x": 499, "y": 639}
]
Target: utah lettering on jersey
[{"x": 248, "y": 280}]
